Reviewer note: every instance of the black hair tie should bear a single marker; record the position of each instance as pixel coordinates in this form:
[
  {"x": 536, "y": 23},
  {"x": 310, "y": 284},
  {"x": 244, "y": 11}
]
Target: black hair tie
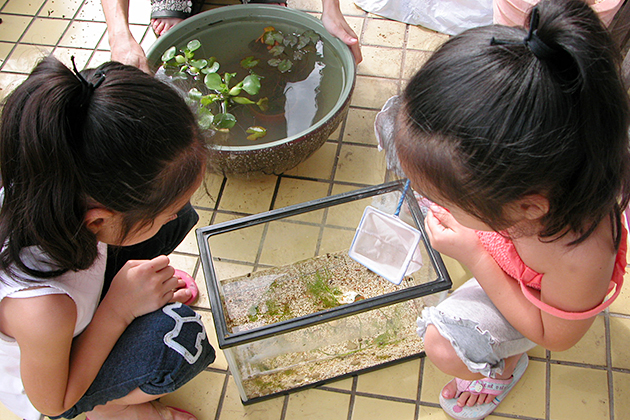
[
  {"x": 537, "y": 46},
  {"x": 87, "y": 88}
]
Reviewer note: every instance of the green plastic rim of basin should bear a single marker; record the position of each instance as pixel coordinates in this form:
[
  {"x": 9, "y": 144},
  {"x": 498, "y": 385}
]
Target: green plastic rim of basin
[{"x": 184, "y": 32}]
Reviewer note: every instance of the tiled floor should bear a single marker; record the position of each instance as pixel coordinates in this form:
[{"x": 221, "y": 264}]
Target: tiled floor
[{"x": 588, "y": 382}]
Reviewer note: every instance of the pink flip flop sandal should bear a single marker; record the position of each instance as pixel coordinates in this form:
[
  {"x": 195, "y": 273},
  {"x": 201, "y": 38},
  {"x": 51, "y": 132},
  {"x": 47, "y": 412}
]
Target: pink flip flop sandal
[
  {"x": 190, "y": 285},
  {"x": 498, "y": 387}
]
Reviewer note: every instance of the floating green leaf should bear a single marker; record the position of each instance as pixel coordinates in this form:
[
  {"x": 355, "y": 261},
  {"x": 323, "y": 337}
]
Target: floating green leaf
[
  {"x": 285, "y": 65},
  {"x": 251, "y": 84},
  {"x": 180, "y": 59},
  {"x": 212, "y": 68},
  {"x": 195, "y": 94},
  {"x": 205, "y": 120},
  {"x": 256, "y": 132},
  {"x": 227, "y": 77},
  {"x": 263, "y": 104},
  {"x": 243, "y": 101},
  {"x": 274, "y": 62},
  {"x": 290, "y": 40},
  {"x": 249, "y": 62},
  {"x": 303, "y": 42},
  {"x": 276, "y": 50},
  {"x": 169, "y": 54},
  {"x": 193, "y": 45},
  {"x": 236, "y": 90},
  {"x": 268, "y": 38},
  {"x": 224, "y": 120},
  {"x": 213, "y": 81},
  {"x": 208, "y": 99},
  {"x": 199, "y": 63}
]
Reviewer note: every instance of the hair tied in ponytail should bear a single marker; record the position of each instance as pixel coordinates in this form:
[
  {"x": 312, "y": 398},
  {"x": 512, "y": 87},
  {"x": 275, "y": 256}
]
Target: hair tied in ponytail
[
  {"x": 87, "y": 88},
  {"x": 537, "y": 46}
]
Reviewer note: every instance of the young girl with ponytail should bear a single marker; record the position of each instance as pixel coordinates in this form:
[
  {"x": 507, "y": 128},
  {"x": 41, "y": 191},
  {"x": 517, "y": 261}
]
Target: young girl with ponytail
[{"x": 97, "y": 171}]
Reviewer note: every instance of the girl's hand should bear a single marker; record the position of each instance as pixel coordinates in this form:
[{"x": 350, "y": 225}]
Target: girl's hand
[
  {"x": 141, "y": 287},
  {"x": 449, "y": 237}
]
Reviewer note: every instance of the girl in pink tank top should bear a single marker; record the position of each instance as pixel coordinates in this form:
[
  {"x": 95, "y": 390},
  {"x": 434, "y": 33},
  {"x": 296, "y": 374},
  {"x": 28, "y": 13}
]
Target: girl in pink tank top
[{"x": 520, "y": 137}]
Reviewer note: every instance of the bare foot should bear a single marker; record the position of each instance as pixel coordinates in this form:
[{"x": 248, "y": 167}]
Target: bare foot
[
  {"x": 163, "y": 25},
  {"x": 153, "y": 410},
  {"x": 465, "y": 398}
]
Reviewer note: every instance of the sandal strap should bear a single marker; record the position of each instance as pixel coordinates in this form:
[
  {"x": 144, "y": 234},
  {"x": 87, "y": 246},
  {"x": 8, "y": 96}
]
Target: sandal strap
[
  {"x": 171, "y": 8},
  {"x": 483, "y": 386}
]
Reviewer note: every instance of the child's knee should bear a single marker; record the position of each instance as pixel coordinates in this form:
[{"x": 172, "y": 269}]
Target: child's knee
[{"x": 439, "y": 349}]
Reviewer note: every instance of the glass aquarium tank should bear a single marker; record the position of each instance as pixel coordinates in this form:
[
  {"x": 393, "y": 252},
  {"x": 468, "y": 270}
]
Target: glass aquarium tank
[{"x": 293, "y": 310}]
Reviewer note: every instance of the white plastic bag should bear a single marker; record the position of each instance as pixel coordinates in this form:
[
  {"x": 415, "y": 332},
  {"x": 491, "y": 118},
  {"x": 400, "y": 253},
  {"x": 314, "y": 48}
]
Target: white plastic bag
[{"x": 447, "y": 16}]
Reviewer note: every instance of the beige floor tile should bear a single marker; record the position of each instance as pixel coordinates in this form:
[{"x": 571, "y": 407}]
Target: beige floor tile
[
  {"x": 315, "y": 404},
  {"x": 81, "y": 57},
  {"x": 620, "y": 337},
  {"x": 22, "y": 7},
  {"x": 366, "y": 408},
  {"x": 385, "y": 33},
  {"x": 200, "y": 396},
  {"x": 345, "y": 384},
  {"x": 203, "y": 301},
  {"x": 225, "y": 270},
  {"x": 380, "y": 62},
  {"x": 431, "y": 413},
  {"x": 621, "y": 305},
  {"x": 318, "y": 165},
  {"x": 240, "y": 245},
  {"x": 400, "y": 380},
  {"x": 13, "y": 27},
  {"x": 578, "y": 393},
  {"x": 233, "y": 408},
  {"x": 139, "y": 12},
  {"x": 335, "y": 240},
  {"x": 372, "y": 92},
  {"x": 8, "y": 82},
  {"x": 527, "y": 398},
  {"x": 433, "y": 380},
  {"x": 356, "y": 24},
  {"x": 287, "y": 243},
  {"x": 296, "y": 191},
  {"x": 45, "y": 31},
  {"x": 220, "y": 362},
  {"x": 207, "y": 194},
  {"x": 83, "y": 34},
  {"x": 148, "y": 40},
  {"x": 621, "y": 384},
  {"x": 189, "y": 244},
  {"x": 413, "y": 61},
  {"x": 360, "y": 126},
  {"x": 93, "y": 11},
  {"x": 306, "y": 5},
  {"x": 364, "y": 165},
  {"x": 425, "y": 39},
  {"x": 65, "y": 9},
  {"x": 24, "y": 58},
  {"x": 349, "y": 8},
  {"x": 591, "y": 349},
  {"x": 5, "y": 49},
  {"x": 248, "y": 196},
  {"x": 538, "y": 352}
]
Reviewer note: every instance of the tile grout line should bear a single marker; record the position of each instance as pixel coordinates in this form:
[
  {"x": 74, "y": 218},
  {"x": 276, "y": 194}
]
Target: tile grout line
[
  {"x": 547, "y": 385},
  {"x": 419, "y": 391},
  {"x": 222, "y": 397},
  {"x": 353, "y": 396},
  {"x": 609, "y": 374}
]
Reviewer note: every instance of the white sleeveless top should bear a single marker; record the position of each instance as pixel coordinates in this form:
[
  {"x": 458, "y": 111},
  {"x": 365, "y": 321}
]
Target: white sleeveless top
[{"x": 83, "y": 287}]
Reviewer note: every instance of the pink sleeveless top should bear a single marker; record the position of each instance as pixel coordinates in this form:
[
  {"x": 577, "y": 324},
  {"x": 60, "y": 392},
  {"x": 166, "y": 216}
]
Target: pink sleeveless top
[{"x": 504, "y": 253}]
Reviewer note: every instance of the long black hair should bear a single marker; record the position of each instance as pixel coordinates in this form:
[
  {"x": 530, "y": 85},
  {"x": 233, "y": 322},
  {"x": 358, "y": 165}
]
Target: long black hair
[
  {"x": 490, "y": 119},
  {"x": 112, "y": 135}
]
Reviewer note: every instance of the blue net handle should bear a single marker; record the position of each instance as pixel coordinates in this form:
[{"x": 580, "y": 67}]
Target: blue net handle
[{"x": 402, "y": 198}]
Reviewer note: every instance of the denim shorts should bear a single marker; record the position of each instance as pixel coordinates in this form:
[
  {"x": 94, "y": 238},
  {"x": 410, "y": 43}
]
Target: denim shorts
[
  {"x": 479, "y": 333},
  {"x": 160, "y": 351}
]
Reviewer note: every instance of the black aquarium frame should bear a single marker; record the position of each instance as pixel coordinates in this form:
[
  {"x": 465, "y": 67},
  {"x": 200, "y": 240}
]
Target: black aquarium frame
[{"x": 227, "y": 339}]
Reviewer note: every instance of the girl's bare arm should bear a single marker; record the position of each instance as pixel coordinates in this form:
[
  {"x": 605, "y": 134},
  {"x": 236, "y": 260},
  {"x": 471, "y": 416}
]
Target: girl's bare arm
[{"x": 57, "y": 369}]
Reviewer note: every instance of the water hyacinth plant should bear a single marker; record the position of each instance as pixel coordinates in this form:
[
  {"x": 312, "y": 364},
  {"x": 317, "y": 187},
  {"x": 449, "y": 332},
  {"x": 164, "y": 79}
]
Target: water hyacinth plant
[
  {"x": 287, "y": 48},
  {"x": 221, "y": 93}
]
